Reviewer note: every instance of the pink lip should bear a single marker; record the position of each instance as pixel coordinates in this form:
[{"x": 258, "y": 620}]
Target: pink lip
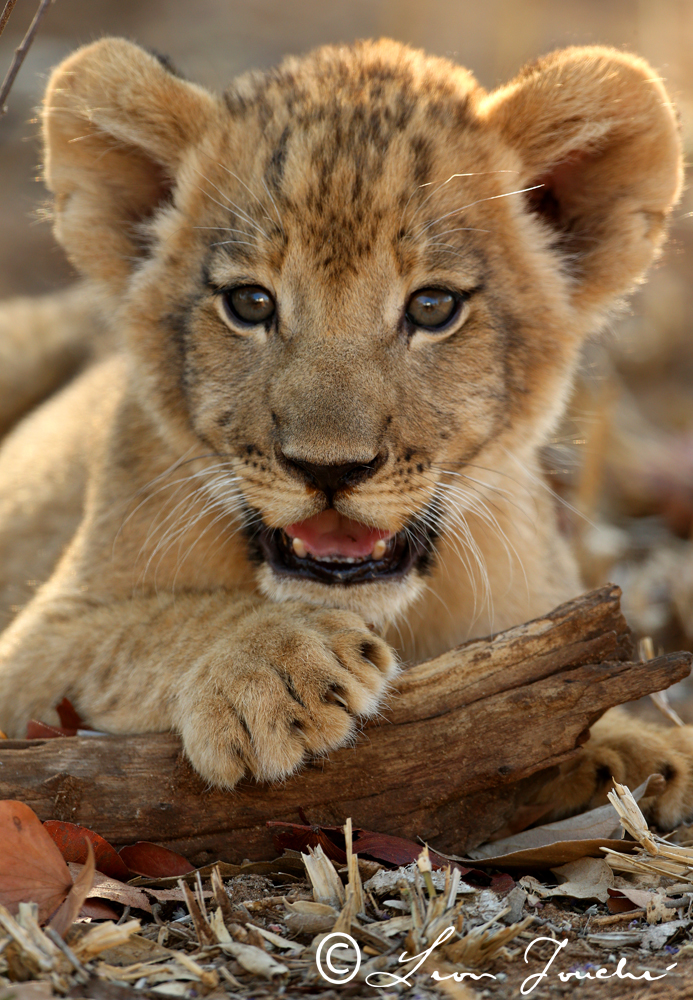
[{"x": 332, "y": 534}]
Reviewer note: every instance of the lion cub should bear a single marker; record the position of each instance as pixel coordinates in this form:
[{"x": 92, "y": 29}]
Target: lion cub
[{"x": 349, "y": 297}]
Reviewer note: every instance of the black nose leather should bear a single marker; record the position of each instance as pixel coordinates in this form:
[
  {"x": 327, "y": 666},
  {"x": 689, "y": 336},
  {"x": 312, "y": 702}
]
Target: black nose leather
[{"x": 330, "y": 478}]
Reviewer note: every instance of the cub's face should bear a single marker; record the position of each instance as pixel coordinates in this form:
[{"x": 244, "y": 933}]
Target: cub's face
[{"x": 360, "y": 291}]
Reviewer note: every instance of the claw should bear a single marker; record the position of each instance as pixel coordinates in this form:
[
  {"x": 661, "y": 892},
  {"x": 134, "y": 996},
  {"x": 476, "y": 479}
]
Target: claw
[{"x": 335, "y": 699}]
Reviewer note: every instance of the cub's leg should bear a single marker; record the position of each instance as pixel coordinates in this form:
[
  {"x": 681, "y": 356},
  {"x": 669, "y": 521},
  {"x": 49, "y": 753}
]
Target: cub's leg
[
  {"x": 251, "y": 686},
  {"x": 626, "y": 749}
]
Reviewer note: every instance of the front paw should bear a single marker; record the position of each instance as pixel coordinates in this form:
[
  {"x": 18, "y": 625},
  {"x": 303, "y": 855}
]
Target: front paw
[{"x": 290, "y": 681}]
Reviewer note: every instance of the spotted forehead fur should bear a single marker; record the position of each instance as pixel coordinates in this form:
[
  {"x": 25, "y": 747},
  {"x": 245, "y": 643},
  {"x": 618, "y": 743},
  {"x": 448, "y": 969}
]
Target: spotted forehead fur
[{"x": 333, "y": 123}]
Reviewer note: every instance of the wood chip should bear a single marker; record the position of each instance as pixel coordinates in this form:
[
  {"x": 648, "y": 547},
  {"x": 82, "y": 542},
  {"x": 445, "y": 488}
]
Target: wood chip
[
  {"x": 327, "y": 885},
  {"x": 255, "y": 960}
]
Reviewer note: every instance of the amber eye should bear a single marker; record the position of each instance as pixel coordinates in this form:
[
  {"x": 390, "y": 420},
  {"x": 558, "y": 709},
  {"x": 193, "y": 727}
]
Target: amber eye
[
  {"x": 249, "y": 304},
  {"x": 432, "y": 308}
]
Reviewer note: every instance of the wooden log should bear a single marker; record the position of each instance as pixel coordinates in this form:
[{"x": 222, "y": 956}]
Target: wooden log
[{"x": 465, "y": 736}]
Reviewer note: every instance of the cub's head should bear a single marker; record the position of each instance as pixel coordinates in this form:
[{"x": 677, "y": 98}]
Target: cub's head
[{"x": 359, "y": 279}]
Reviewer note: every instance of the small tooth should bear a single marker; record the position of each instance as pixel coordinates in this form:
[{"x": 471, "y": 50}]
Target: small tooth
[
  {"x": 299, "y": 548},
  {"x": 379, "y": 549}
]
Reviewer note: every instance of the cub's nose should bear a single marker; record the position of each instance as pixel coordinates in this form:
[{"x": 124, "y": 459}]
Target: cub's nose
[{"x": 330, "y": 478}]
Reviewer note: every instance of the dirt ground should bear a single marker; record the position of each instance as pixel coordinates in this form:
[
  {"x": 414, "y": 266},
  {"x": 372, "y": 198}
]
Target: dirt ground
[{"x": 623, "y": 460}]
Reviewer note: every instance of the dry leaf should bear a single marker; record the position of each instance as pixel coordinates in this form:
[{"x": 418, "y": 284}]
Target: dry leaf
[
  {"x": 308, "y": 917},
  {"x": 561, "y": 852},
  {"x": 395, "y": 850},
  {"x": 638, "y": 899},
  {"x": 67, "y": 914},
  {"x": 379, "y": 846},
  {"x": 597, "y": 824},
  {"x": 255, "y": 960},
  {"x": 71, "y": 839},
  {"x": 31, "y": 866},
  {"x": 153, "y": 861},
  {"x": 587, "y": 878},
  {"x": 286, "y": 869},
  {"x": 660, "y": 909},
  {"x": 69, "y": 716},
  {"x": 110, "y": 888},
  {"x": 657, "y": 935},
  {"x": 297, "y": 837},
  {"x": 567, "y": 840},
  {"x": 37, "y": 730},
  {"x": 98, "y": 909}
]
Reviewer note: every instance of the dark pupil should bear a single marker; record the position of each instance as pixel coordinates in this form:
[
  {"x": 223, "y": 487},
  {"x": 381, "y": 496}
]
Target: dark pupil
[
  {"x": 251, "y": 304},
  {"x": 431, "y": 308}
]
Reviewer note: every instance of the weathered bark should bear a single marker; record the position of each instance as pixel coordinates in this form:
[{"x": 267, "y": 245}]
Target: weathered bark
[{"x": 465, "y": 736}]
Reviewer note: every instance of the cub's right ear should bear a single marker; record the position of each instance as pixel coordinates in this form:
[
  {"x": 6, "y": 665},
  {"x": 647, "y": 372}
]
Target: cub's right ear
[
  {"x": 116, "y": 125},
  {"x": 595, "y": 131}
]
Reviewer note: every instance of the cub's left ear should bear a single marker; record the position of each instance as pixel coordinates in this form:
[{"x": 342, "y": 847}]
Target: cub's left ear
[
  {"x": 117, "y": 128},
  {"x": 596, "y": 128}
]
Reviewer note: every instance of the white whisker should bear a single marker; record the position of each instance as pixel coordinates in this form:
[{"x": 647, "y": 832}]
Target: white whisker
[
  {"x": 249, "y": 190},
  {"x": 237, "y": 208},
  {"x": 479, "y": 201}
]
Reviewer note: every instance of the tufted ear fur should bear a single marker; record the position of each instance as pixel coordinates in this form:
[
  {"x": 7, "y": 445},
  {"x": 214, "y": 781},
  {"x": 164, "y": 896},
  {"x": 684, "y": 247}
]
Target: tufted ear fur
[
  {"x": 116, "y": 126},
  {"x": 596, "y": 128}
]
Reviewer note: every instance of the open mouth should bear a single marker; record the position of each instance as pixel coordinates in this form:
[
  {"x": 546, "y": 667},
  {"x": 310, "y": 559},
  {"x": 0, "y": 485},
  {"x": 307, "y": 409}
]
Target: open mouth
[{"x": 334, "y": 549}]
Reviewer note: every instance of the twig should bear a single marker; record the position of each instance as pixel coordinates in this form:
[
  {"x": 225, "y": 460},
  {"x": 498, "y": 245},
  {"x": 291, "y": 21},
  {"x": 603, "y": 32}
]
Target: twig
[
  {"x": 21, "y": 51},
  {"x": 5, "y": 16},
  {"x": 618, "y": 918}
]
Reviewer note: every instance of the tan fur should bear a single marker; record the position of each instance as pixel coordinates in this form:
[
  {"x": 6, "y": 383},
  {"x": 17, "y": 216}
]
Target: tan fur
[
  {"x": 43, "y": 343},
  {"x": 343, "y": 182}
]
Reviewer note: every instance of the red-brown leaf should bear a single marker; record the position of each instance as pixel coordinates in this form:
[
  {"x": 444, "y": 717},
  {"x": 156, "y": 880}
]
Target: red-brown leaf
[
  {"x": 96, "y": 909},
  {"x": 619, "y": 904},
  {"x": 36, "y": 730},
  {"x": 294, "y": 837},
  {"x": 153, "y": 861},
  {"x": 379, "y": 846},
  {"x": 66, "y": 915},
  {"x": 72, "y": 844},
  {"x": 624, "y": 900},
  {"x": 69, "y": 716},
  {"x": 31, "y": 866},
  {"x": 396, "y": 850},
  {"x": 502, "y": 883}
]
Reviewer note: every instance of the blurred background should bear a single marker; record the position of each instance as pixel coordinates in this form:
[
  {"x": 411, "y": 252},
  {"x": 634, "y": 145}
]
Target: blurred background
[{"x": 624, "y": 459}]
